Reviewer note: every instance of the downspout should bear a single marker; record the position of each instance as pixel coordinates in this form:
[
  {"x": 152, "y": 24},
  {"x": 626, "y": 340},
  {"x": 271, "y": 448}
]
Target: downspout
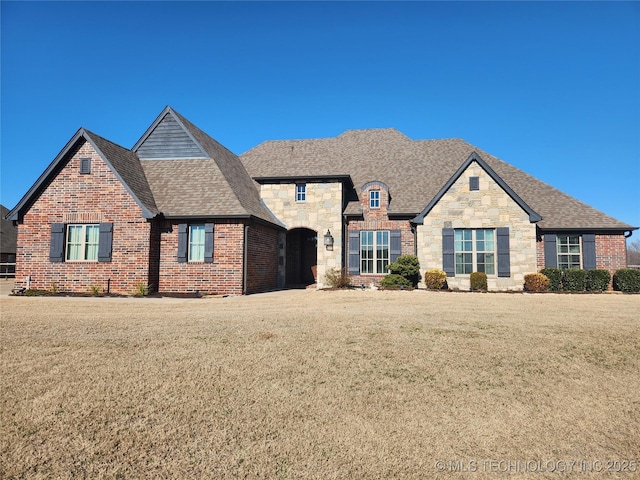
[
  {"x": 244, "y": 259},
  {"x": 414, "y": 230}
]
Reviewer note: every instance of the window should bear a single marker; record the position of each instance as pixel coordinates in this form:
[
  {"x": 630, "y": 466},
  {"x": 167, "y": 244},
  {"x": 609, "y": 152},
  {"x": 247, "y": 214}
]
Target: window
[
  {"x": 196, "y": 243},
  {"x": 301, "y": 192},
  {"x": 474, "y": 183},
  {"x": 82, "y": 243},
  {"x": 374, "y": 199},
  {"x": 374, "y": 252},
  {"x": 474, "y": 251},
  {"x": 568, "y": 247}
]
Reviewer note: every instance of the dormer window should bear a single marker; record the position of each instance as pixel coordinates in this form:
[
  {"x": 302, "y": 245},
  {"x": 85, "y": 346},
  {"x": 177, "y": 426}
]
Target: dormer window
[
  {"x": 374, "y": 199},
  {"x": 301, "y": 192}
]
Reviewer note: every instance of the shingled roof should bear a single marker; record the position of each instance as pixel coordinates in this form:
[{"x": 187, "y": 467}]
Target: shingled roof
[
  {"x": 123, "y": 163},
  {"x": 213, "y": 186},
  {"x": 8, "y": 233},
  {"x": 415, "y": 171}
]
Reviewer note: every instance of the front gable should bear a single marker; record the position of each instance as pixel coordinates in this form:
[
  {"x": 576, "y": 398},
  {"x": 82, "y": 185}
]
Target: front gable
[
  {"x": 167, "y": 139},
  {"x": 79, "y": 159},
  {"x": 471, "y": 183}
]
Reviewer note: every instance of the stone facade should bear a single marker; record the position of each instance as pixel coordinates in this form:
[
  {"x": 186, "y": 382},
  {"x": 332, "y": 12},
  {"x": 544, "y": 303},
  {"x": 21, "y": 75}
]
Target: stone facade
[
  {"x": 321, "y": 211},
  {"x": 74, "y": 198},
  {"x": 488, "y": 207}
]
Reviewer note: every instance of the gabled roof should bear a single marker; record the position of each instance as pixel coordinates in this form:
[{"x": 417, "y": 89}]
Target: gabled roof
[
  {"x": 474, "y": 157},
  {"x": 215, "y": 184},
  {"x": 8, "y": 233},
  {"x": 416, "y": 172},
  {"x": 123, "y": 163}
]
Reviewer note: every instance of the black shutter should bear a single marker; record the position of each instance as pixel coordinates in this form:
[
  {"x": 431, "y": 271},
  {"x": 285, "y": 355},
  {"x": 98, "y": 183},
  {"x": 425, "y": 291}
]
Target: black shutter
[
  {"x": 550, "y": 251},
  {"x": 105, "y": 242},
  {"x": 395, "y": 245},
  {"x": 474, "y": 183},
  {"x": 589, "y": 251},
  {"x": 208, "y": 242},
  {"x": 448, "y": 252},
  {"x": 56, "y": 247},
  {"x": 182, "y": 242},
  {"x": 354, "y": 253},
  {"x": 504, "y": 257}
]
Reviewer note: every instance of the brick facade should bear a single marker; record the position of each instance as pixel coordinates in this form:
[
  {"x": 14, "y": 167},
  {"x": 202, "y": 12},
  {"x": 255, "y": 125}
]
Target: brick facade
[
  {"x": 378, "y": 219},
  {"x": 223, "y": 276},
  {"x": 84, "y": 198},
  {"x": 262, "y": 261},
  {"x": 611, "y": 252}
]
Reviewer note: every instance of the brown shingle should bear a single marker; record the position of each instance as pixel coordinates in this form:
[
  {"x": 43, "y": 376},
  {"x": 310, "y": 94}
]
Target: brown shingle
[{"x": 415, "y": 171}]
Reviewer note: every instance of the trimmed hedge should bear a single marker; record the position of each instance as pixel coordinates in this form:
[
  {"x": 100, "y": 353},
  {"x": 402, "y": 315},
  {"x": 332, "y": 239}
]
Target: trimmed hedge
[
  {"x": 536, "y": 282},
  {"x": 394, "y": 280},
  {"x": 478, "y": 281},
  {"x": 574, "y": 280},
  {"x": 435, "y": 279},
  {"x": 407, "y": 266},
  {"x": 627, "y": 280},
  {"x": 598, "y": 280},
  {"x": 555, "y": 278}
]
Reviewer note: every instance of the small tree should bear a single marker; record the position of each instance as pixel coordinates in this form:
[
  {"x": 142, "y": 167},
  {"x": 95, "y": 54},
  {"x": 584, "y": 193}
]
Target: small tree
[{"x": 407, "y": 266}]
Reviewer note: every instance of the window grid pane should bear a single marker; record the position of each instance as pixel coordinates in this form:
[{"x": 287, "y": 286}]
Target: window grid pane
[
  {"x": 82, "y": 243},
  {"x": 301, "y": 193},
  {"x": 475, "y": 251},
  {"x": 91, "y": 242},
  {"x": 374, "y": 252},
  {"x": 374, "y": 199},
  {"x": 569, "y": 252}
]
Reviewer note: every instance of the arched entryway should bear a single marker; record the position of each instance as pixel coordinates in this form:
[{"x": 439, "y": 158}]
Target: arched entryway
[{"x": 302, "y": 257}]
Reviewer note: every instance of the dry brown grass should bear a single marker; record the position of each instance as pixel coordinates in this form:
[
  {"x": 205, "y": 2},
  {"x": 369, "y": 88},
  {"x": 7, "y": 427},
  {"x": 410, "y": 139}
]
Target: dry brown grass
[{"x": 306, "y": 385}]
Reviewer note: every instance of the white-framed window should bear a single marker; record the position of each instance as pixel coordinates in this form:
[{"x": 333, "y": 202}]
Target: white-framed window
[
  {"x": 569, "y": 251},
  {"x": 196, "y": 243},
  {"x": 301, "y": 192},
  {"x": 374, "y": 198},
  {"x": 82, "y": 242},
  {"x": 374, "y": 251},
  {"x": 475, "y": 251}
]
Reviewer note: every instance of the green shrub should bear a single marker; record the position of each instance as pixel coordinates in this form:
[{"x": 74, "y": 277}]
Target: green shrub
[
  {"x": 337, "y": 278},
  {"x": 627, "y": 280},
  {"x": 574, "y": 280},
  {"x": 393, "y": 280},
  {"x": 555, "y": 278},
  {"x": 435, "y": 279},
  {"x": 407, "y": 266},
  {"x": 478, "y": 281},
  {"x": 536, "y": 282},
  {"x": 598, "y": 280}
]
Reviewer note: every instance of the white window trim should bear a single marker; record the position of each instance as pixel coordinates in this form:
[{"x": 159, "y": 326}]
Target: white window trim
[
  {"x": 191, "y": 243},
  {"x": 474, "y": 251},
  {"x": 374, "y": 198},
  {"x": 558, "y": 254},
  {"x": 375, "y": 251},
  {"x": 83, "y": 243},
  {"x": 301, "y": 192}
]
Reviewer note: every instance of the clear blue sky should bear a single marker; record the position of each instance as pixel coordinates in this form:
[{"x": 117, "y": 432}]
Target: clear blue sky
[{"x": 552, "y": 88}]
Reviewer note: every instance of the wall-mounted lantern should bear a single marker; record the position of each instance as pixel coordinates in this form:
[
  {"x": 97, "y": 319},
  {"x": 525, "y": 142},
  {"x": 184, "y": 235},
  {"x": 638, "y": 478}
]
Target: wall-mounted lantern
[{"x": 328, "y": 240}]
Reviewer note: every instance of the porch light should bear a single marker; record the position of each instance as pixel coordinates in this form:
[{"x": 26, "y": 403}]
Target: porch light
[{"x": 328, "y": 240}]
